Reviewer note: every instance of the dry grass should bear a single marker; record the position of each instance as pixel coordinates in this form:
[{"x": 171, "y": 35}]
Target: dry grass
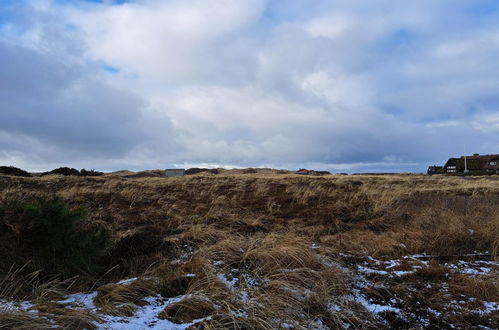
[
  {"x": 189, "y": 309},
  {"x": 269, "y": 279},
  {"x": 14, "y": 319},
  {"x": 124, "y": 299},
  {"x": 240, "y": 246},
  {"x": 48, "y": 316},
  {"x": 45, "y": 311},
  {"x": 482, "y": 288}
]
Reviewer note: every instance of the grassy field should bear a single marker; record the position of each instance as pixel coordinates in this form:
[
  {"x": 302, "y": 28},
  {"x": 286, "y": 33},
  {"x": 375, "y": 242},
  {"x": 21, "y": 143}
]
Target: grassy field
[{"x": 270, "y": 251}]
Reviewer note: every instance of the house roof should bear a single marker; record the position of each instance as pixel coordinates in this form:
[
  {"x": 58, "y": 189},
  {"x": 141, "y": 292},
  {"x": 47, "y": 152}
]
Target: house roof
[
  {"x": 483, "y": 157},
  {"x": 479, "y": 162}
]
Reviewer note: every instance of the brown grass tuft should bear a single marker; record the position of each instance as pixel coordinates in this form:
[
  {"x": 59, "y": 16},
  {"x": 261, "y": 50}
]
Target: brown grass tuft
[
  {"x": 188, "y": 309},
  {"x": 485, "y": 288},
  {"x": 123, "y": 299}
]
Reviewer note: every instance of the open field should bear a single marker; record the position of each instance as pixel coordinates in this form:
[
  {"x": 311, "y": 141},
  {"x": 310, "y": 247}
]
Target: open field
[{"x": 272, "y": 251}]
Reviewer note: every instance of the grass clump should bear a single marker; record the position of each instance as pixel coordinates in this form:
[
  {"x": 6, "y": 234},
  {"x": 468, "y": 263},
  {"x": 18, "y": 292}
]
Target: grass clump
[
  {"x": 188, "y": 310},
  {"x": 124, "y": 298}
]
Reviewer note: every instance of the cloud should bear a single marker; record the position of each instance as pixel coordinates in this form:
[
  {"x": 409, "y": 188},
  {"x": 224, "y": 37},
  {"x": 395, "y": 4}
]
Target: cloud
[
  {"x": 168, "y": 41},
  {"x": 65, "y": 106},
  {"x": 378, "y": 85}
]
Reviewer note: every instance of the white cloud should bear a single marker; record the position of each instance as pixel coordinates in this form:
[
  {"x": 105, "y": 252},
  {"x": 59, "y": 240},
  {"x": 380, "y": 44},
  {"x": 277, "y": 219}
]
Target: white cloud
[
  {"x": 165, "y": 41},
  {"x": 490, "y": 124},
  {"x": 331, "y": 27}
]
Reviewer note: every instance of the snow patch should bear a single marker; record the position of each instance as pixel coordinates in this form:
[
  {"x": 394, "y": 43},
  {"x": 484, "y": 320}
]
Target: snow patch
[
  {"x": 229, "y": 283},
  {"x": 15, "y": 305},
  {"x": 147, "y": 317},
  {"x": 82, "y": 300},
  {"x": 127, "y": 281}
]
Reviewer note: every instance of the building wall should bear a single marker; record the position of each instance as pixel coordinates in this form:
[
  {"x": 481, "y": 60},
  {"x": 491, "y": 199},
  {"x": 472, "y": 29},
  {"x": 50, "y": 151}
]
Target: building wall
[{"x": 175, "y": 172}]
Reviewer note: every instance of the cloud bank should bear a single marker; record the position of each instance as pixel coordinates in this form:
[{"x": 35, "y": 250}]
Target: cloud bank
[{"x": 343, "y": 85}]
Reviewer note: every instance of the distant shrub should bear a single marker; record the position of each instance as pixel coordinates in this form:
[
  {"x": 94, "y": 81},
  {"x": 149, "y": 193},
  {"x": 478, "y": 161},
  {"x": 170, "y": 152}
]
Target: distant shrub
[
  {"x": 84, "y": 172},
  {"x": 196, "y": 170},
  {"x": 53, "y": 238},
  {"x": 11, "y": 170},
  {"x": 66, "y": 171}
]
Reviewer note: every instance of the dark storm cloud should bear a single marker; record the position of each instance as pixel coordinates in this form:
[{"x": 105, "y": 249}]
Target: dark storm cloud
[
  {"x": 57, "y": 107},
  {"x": 62, "y": 105}
]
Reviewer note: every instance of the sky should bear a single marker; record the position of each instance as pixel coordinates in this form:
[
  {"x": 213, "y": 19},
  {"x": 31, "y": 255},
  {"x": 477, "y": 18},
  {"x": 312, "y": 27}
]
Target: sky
[{"x": 344, "y": 85}]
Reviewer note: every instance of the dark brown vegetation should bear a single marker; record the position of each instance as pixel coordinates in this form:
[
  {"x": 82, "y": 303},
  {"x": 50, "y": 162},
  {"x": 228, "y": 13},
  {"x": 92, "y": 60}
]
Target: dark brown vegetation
[
  {"x": 43, "y": 235},
  {"x": 11, "y": 170},
  {"x": 67, "y": 171},
  {"x": 265, "y": 251}
]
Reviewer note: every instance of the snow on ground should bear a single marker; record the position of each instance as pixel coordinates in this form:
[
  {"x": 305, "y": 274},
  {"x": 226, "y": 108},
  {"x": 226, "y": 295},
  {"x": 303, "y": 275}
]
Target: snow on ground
[
  {"x": 369, "y": 273},
  {"x": 479, "y": 267},
  {"x": 372, "y": 307},
  {"x": 81, "y": 300},
  {"x": 381, "y": 274},
  {"x": 15, "y": 305},
  {"x": 128, "y": 280},
  {"x": 410, "y": 264},
  {"x": 144, "y": 317},
  {"x": 490, "y": 307}
]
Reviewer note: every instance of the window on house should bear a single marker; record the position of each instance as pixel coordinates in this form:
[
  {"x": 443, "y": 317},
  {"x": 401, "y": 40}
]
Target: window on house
[{"x": 493, "y": 163}]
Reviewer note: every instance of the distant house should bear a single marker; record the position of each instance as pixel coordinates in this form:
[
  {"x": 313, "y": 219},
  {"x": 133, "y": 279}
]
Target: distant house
[
  {"x": 175, "y": 172},
  {"x": 435, "y": 170},
  {"x": 473, "y": 164},
  {"x": 303, "y": 171}
]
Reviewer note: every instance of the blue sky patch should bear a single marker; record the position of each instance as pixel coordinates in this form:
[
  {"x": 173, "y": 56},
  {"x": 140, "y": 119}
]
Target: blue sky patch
[
  {"x": 118, "y": 2},
  {"x": 484, "y": 7},
  {"x": 110, "y": 68}
]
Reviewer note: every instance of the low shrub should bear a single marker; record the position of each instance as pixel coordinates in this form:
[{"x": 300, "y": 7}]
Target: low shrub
[
  {"x": 11, "y": 170},
  {"x": 66, "y": 171},
  {"x": 51, "y": 238},
  {"x": 196, "y": 170},
  {"x": 84, "y": 172}
]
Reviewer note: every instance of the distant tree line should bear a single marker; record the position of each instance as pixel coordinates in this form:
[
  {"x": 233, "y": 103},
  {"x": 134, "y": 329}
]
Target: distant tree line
[
  {"x": 196, "y": 170},
  {"x": 66, "y": 171},
  {"x": 11, "y": 170}
]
